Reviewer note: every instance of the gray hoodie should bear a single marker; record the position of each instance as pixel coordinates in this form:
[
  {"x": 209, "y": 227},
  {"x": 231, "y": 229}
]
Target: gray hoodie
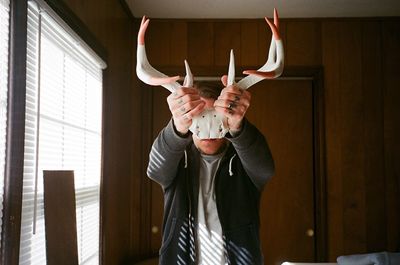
[{"x": 241, "y": 176}]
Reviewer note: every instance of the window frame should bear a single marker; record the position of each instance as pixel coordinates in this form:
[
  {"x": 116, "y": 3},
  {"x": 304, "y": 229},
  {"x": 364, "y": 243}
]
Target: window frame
[{"x": 13, "y": 179}]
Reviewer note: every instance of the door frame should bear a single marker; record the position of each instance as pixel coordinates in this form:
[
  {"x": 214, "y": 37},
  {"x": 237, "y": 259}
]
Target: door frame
[
  {"x": 312, "y": 73},
  {"x": 315, "y": 74}
]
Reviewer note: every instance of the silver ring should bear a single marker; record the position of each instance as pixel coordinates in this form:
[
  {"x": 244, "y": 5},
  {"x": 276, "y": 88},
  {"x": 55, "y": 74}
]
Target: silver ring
[{"x": 232, "y": 105}]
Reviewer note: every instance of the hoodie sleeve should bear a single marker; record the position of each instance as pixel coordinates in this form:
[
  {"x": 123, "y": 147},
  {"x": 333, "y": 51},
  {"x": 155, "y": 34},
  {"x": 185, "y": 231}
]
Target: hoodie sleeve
[
  {"x": 254, "y": 153},
  {"x": 166, "y": 152}
]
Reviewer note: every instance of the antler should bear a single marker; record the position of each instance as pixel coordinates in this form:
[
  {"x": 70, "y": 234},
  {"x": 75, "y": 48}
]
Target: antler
[
  {"x": 148, "y": 74},
  {"x": 273, "y": 68}
]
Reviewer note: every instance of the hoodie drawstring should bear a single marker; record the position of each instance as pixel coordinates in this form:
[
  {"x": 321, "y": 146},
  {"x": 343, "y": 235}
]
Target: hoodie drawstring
[
  {"x": 230, "y": 165},
  {"x": 185, "y": 159}
]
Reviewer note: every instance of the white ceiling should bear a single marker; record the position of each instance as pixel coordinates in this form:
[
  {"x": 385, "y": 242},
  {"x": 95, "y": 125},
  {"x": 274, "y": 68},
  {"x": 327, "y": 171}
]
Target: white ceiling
[{"x": 262, "y": 8}]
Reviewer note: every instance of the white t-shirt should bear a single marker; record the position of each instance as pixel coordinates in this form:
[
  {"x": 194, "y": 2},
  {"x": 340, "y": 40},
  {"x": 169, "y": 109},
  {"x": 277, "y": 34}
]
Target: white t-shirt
[{"x": 209, "y": 232}]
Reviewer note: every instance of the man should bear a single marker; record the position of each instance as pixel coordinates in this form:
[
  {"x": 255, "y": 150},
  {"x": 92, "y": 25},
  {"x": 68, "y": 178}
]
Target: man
[{"x": 212, "y": 187}]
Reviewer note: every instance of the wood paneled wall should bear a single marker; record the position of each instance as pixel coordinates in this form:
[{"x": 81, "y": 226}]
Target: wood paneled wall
[
  {"x": 362, "y": 134},
  {"x": 362, "y": 107}
]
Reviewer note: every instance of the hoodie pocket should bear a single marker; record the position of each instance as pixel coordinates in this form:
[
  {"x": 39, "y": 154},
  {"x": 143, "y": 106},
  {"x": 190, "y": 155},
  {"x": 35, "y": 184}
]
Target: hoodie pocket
[{"x": 243, "y": 245}]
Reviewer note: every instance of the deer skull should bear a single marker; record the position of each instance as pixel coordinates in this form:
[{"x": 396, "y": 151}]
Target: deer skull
[{"x": 210, "y": 123}]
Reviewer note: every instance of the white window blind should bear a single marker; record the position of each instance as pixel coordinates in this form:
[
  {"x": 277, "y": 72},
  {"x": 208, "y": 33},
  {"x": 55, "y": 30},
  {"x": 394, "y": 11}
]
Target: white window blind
[
  {"x": 62, "y": 131},
  {"x": 4, "y": 36}
]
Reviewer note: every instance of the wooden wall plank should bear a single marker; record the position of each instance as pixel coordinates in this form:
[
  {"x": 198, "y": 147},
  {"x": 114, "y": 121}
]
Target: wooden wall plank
[
  {"x": 283, "y": 32},
  {"x": 178, "y": 48},
  {"x": 201, "y": 43},
  {"x": 249, "y": 43},
  {"x": 158, "y": 42},
  {"x": 303, "y": 42},
  {"x": 264, "y": 40},
  {"x": 227, "y": 36},
  {"x": 352, "y": 125},
  {"x": 374, "y": 169},
  {"x": 391, "y": 58},
  {"x": 330, "y": 59}
]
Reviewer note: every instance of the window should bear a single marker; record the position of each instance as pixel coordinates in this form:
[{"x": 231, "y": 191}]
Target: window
[
  {"x": 4, "y": 34},
  {"x": 62, "y": 130}
]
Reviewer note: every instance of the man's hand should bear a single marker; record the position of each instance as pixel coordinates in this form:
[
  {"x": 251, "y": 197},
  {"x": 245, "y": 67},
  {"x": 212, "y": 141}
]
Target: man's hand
[
  {"x": 233, "y": 102},
  {"x": 184, "y": 104}
]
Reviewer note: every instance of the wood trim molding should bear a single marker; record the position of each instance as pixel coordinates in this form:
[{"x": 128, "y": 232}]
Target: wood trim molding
[{"x": 14, "y": 166}]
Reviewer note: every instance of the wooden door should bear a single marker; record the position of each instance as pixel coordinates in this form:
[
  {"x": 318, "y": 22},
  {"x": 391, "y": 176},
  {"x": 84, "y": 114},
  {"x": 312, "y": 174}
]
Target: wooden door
[{"x": 283, "y": 111}]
